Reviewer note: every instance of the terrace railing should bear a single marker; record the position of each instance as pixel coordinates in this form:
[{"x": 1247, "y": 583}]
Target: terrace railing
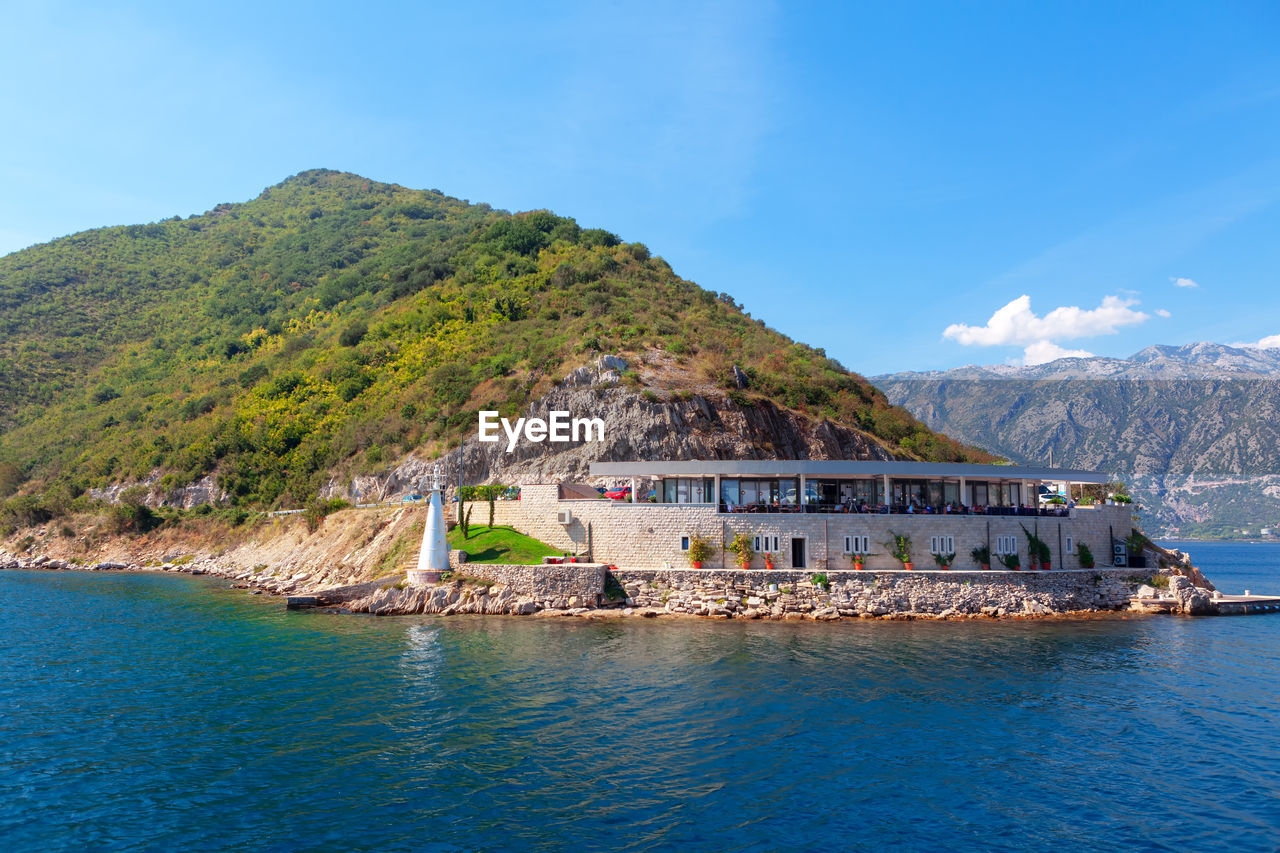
[{"x": 900, "y": 509}]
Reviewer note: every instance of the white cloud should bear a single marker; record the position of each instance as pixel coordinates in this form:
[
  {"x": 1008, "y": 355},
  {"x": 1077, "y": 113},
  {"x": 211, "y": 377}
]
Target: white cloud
[
  {"x": 1183, "y": 282},
  {"x": 1042, "y": 351},
  {"x": 1017, "y": 324},
  {"x": 1269, "y": 342},
  {"x": 1161, "y": 312}
]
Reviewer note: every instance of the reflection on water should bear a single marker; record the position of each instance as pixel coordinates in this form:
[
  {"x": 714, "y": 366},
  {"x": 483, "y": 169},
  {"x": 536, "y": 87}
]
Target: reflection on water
[{"x": 165, "y": 712}]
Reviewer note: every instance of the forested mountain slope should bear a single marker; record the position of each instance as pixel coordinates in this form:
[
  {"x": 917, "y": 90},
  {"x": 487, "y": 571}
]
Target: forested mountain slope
[{"x": 334, "y": 324}]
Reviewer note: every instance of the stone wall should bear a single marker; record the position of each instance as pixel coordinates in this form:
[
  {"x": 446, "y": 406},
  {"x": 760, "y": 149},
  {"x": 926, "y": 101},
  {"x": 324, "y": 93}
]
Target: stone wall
[
  {"x": 648, "y": 535},
  {"x": 866, "y": 594},
  {"x": 566, "y": 585},
  {"x": 515, "y": 590}
]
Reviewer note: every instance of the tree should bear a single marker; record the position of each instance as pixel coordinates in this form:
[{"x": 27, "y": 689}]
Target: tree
[
  {"x": 10, "y": 478},
  {"x": 490, "y": 493}
]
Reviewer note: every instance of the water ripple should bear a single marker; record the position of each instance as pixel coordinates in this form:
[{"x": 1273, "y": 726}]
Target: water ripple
[{"x": 148, "y": 712}]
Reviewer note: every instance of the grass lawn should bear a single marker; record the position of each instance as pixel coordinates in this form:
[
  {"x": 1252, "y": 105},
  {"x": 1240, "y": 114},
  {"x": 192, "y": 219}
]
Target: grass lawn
[{"x": 500, "y": 545}]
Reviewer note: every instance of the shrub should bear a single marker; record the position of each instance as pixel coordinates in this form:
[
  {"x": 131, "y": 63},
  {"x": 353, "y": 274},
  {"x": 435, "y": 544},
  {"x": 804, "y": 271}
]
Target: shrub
[
  {"x": 740, "y": 545},
  {"x": 900, "y": 547},
  {"x": 1037, "y": 549},
  {"x": 134, "y": 518},
  {"x": 944, "y": 560},
  {"x": 613, "y": 590},
  {"x": 981, "y": 555},
  {"x": 317, "y": 510},
  {"x": 1010, "y": 561},
  {"x": 1086, "y": 556},
  {"x": 820, "y": 580},
  {"x": 700, "y": 549},
  {"x": 353, "y": 334}
]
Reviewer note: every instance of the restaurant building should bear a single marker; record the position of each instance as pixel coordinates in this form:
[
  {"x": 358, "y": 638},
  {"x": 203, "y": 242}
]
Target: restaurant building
[{"x": 820, "y": 514}]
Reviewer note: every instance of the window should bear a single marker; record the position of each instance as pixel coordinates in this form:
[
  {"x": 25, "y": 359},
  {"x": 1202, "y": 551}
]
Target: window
[
  {"x": 1006, "y": 545},
  {"x": 736, "y": 492},
  {"x": 1071, "y": 545},
  {"x": 765, "y": 544},
  {"x": 684, "y": 543},
  {"x": 942, "y": 544},
  {"x": 857, "y": 545},
  {"x": 686, "y": 490}
]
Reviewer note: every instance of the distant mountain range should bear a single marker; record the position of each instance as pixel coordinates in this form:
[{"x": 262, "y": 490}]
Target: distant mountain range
[{"x": 1194, "y": 430}]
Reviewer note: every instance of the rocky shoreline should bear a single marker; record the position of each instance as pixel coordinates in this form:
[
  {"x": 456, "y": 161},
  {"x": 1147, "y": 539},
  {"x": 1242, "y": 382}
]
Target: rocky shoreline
[
  {"x": 245, "y": 579},
  {"x": 572, "y": 591}
]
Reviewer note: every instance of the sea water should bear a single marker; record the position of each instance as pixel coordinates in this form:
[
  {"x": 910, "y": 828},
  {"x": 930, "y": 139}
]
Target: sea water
[{"x": 162, "y": 712}]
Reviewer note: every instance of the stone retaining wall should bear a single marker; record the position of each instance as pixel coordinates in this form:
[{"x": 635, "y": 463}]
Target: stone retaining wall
[
  {"x": 792, "y": 594},
  {"x": 576, "y": 584}
]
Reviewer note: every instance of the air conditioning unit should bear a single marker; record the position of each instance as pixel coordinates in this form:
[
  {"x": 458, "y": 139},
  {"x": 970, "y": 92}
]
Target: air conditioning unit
[
  {"x": 564, "y": 516},
  {"x": 1119, "y": 555}
]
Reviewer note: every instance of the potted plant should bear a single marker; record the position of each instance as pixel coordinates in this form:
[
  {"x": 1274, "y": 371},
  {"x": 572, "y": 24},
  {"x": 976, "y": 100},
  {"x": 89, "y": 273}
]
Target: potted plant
[
  {"x": 944, "y": 561},
  {"x": 740, "y": 545},
  {"x": 820, "y": 580},
  {"x": 982, "y": 556},
  {"x": 900, "y": 548},
  {"x": 699, "y": 550},
  {"x": 1010, "y": 561},
  {"x": 768, "y": 560},
  {"x": 857, "y": 562},
  {"x": 1085, "y": 555}
]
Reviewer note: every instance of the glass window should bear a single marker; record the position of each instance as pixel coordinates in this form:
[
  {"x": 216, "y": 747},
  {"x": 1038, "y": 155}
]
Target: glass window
[
  {"x": 788, "y": 490},
  {"x": 729, "y": 493},
  {"x": 951, "y": 493},
  {"x": 668, "y": 491}
]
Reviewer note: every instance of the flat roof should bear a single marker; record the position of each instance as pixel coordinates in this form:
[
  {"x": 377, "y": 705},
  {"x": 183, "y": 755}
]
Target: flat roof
[{"x": 840, "y": 468}]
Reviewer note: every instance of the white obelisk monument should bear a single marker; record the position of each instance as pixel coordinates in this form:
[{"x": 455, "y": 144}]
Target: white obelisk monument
[{"x": 434, "y": 556}]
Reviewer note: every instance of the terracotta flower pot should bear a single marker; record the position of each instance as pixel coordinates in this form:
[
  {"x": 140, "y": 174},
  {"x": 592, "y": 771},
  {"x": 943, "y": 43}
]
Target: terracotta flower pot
[
  {"x": 697, "y": 564},
  {"x": 769, "y": 565},
  {"x": 744, "y": 565},
  {"x": 986, "y": 567},
  {"x": 1046, "y": 566},
  {"x": 857, "y": 565},
  {"x": 908, "y": 566}
]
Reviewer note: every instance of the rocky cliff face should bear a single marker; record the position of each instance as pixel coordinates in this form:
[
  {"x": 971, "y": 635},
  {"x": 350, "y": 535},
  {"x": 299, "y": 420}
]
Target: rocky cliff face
[
  {"x": 639, "y": 425},
  {"x": 1192, "y": 429}
]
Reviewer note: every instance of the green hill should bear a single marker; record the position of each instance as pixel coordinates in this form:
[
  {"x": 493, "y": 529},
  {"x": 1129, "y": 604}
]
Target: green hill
[{"x": 334, "y": 324}]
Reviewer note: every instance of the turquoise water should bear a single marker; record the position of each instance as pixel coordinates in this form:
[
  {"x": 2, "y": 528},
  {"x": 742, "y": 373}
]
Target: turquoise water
[{"x": 159, "y": 712}]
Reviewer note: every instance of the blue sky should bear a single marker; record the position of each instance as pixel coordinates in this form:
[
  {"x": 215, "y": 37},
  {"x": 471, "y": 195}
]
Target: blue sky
[{"x": 885, "y": 181}]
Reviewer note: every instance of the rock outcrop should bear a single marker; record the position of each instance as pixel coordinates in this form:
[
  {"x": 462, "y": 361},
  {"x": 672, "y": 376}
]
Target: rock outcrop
[{"x": 639, "y": 424}]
